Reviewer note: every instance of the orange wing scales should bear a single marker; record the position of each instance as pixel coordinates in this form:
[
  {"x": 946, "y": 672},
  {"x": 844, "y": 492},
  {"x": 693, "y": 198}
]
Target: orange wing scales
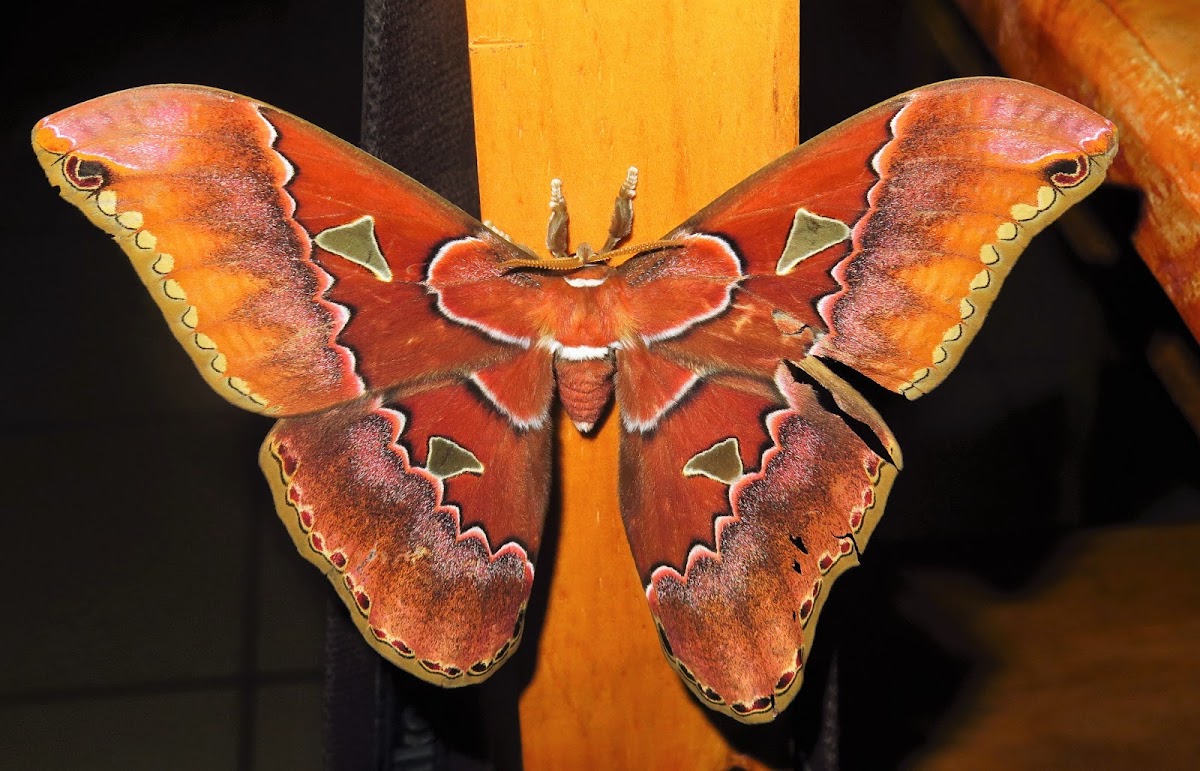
[
  {"x": 246, "y": 301},
  {"x": 963, "y": 184}
]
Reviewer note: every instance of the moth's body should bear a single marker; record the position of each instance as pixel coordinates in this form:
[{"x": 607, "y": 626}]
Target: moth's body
[
  {"x": 591, "y": 308},
  {"x": 583, "y": 350},
  {"x": 584, "y": 355},
  {"x": 414, "y": 354}
]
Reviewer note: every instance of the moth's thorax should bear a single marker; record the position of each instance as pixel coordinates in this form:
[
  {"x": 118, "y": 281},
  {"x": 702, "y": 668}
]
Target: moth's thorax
[
  {"x": 598, "y": 313},
  {"x": 583, "y": 310},
  {"x": 583, "y": 343}
]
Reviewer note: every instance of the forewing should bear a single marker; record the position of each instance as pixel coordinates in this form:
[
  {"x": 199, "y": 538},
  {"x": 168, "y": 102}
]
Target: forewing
[
  {"x": 890, "y": 234},
  {"x": 291, "y": 266}
]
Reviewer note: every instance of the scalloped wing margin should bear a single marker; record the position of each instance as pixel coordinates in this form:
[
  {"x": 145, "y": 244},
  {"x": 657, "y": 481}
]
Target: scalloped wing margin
[
  {"x": 779, "y": 496},
  {"x": 425, "y": 513}
]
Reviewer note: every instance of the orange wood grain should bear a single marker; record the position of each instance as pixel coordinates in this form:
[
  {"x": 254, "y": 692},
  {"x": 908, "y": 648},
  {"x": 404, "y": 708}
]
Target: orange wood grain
[
  {"x": 1138, "y": 63},
  {"x": 697, "y": 96}
]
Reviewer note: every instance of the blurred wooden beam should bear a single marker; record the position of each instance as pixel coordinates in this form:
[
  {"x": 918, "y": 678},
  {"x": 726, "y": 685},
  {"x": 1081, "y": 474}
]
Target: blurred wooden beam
[
  {"x": 1137, "y": 62},
  {"x": 1093, "y": 666}
]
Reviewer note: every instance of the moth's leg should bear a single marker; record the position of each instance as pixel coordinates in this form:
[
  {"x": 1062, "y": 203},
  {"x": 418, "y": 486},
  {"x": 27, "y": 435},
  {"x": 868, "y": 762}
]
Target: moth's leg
[
  {"x": 622, "y": 219},
  {"x": 556, "y": 230}
]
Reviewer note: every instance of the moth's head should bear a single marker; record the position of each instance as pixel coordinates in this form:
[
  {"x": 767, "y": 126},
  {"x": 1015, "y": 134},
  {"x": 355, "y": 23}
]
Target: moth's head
[
  {"x": 618, "y": 230},
  {"x": 562, "y": 259},
  {"x": 585, "y": 253}
]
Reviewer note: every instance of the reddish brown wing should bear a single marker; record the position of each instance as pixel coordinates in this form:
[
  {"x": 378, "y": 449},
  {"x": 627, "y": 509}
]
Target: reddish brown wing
[
  {"x": 290, "y": 265},
  {"x": 890, "y": 234},
  {"x": 787, "y": 495},
  {"x": 429, "y": 540},
  {"x": 880, "y": 243},
  {"x": 302, "y": 276}
]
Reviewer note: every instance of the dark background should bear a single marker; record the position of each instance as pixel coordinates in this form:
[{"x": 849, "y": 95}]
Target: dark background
[
  {"x": 157, "y": 616},
  {"x": 155, "y": 613}
]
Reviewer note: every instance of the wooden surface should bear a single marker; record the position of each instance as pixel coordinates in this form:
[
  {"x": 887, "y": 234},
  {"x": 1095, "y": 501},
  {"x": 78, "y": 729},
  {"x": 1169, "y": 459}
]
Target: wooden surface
[
  {"x": 1138, "y": 62},
  {"x": 697, "y": 96},
  {"x": 1093, "y": 667}
]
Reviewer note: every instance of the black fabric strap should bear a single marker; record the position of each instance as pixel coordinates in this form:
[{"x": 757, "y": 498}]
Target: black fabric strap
[
  {"x": 357, "y": 698},
  {"x": 417, "y": 111},
  {"x": 417, "y": 117}
]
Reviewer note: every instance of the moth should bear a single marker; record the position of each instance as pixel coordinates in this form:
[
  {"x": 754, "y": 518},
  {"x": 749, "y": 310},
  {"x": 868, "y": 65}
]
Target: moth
[{"x": 414, "y": 355}]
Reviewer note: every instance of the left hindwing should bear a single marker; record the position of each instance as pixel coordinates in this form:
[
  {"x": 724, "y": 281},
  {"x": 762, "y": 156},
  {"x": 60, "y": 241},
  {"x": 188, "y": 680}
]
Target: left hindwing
[{"x": 425, "y": 512}]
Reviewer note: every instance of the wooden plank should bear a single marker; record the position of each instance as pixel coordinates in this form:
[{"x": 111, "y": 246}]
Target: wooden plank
[
  {"x": 697, "y": 96},
  {"x": 1136, "y": 62}
]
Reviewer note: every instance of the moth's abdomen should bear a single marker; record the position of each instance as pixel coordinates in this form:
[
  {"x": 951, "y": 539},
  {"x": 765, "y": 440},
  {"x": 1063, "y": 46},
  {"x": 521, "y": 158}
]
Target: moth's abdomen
[{"x": 584, "y": 388}]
